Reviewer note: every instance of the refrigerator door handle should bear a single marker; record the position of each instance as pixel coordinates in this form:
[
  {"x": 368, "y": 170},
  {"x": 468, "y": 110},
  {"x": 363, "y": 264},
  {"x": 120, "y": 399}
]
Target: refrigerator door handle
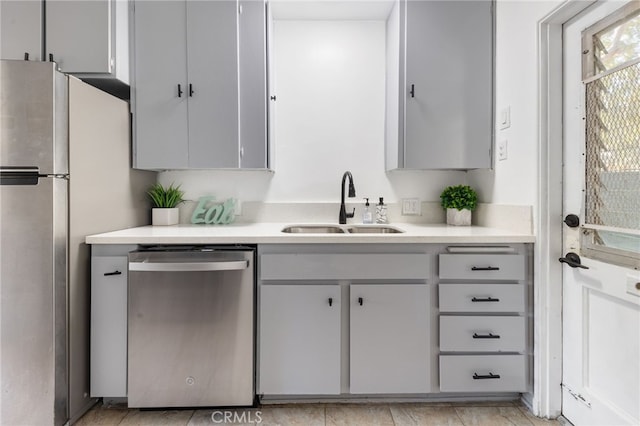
[
  {"x": 10, "y": 175},
  {"x": 29, "y": 175}
]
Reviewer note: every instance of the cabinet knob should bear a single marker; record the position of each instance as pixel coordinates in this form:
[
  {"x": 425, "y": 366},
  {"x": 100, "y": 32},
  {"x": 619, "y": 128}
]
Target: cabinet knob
[
  {"x": 412, "y": 92},
  {"x": 26, "y": 56},
  {"x": 179, "y": 91},
  {"x": 51, "y": 57},
  {"x": 331, "y": 301},
  {"x": 360, "y": 301},
  {"x": 191, "y": 92}
]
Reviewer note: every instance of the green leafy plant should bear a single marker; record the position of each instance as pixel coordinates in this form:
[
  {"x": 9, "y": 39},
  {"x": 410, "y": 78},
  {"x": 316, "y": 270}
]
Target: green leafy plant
[
  {"x": 459, "y": 197},
  {"x": 165, "y": 198}
]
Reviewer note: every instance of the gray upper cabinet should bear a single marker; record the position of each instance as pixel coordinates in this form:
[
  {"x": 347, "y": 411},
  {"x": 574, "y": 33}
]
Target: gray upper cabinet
[
  {"x": 446, "y": 82},
  {"x": 87, "y": 38},
  {"x": 21, "y": 29},
  {"x": 199, "y": 90}
]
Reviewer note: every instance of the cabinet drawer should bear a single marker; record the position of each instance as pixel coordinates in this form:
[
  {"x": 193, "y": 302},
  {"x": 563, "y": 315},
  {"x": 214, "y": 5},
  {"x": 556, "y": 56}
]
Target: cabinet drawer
[
  {"x": 482, "y": 297},
  {"x": 483, "y": 373},
  {"x": 482, "y": 266},
  {"x": 108, "y": 352},
  {"x": 482, "y": 334}
]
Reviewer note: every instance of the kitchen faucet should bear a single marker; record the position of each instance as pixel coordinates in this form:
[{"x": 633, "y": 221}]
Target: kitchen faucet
[{"x": 342, "y": 219}]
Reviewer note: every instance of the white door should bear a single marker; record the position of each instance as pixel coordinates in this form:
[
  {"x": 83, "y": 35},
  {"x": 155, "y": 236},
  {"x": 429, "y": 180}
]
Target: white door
[{"x": 601, "y": 304}]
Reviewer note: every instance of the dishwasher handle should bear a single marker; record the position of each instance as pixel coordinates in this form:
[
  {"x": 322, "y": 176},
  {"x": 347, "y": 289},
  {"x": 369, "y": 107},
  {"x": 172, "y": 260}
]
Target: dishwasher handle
[{"x": 233, "y": 265}]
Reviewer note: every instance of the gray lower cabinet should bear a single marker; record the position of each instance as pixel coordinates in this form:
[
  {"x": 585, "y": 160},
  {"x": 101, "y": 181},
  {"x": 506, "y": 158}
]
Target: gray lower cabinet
[
  {"x": 199, "y": 90},
  {"x": 108, "y": 351},
  {"x": 483, "y": 321},
  {"x": 389, "y": 338},
  {"x": 345, "y": 319},
  {"x": 300, "y": 339},
  {"x": 445, "y": 80}
]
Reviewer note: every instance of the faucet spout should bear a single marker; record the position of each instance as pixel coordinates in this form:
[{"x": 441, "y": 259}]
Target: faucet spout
[{"x": 342, "y": 217}]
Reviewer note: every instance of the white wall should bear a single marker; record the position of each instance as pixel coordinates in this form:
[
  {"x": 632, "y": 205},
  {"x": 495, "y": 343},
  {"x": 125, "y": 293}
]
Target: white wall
[
  {"x": 514, "y": 181},
  {"x": 330, "y": 88}
]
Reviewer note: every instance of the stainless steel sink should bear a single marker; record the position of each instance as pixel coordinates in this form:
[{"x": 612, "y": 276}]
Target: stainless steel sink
[
  {"x": 313, "y": 229},
  {"x": 372, "y": 229}
]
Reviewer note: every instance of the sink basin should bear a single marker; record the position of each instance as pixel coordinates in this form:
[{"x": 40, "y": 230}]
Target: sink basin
[
  {"x": 313, "y": 229},
  {"x": 373, "y": 229}
]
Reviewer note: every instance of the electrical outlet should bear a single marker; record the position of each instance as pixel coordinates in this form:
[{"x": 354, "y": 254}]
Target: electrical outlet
[
  {"x": 502, "y": 150},
  {"x": 411, "y": 206}
]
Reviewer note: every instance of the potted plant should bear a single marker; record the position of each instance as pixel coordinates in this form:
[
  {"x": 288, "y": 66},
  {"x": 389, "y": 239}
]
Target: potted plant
[
  {"x": 165, "y": 201},
  {"x": 460, "y": 201}
]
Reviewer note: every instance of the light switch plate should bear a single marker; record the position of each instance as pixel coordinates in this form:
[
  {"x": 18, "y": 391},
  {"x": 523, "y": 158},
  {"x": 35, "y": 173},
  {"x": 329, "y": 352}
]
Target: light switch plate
[
  {"x": 411, "y": 206},
  {"x": 504, "y": 118}
]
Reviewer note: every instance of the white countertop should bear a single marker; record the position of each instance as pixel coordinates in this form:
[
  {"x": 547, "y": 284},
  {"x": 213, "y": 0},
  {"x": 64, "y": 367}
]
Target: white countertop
[{"x": 270, "y": 233}]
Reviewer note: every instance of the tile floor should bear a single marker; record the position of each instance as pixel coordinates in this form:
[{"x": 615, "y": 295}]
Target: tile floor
[{"x": 449, "y": 414}]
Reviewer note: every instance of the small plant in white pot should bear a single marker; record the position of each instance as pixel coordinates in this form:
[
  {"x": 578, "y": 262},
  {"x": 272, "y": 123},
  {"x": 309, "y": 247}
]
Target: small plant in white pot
[
  {"x": 165, "y": 202},
  {"x": 460, "y": 201}
]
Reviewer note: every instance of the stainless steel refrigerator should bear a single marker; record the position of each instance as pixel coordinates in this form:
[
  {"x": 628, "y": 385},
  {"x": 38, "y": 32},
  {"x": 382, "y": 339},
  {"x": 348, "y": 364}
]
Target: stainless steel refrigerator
[{"x": 64, "y": 174}]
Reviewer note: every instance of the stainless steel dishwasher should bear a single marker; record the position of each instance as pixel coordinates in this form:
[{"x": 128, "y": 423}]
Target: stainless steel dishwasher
[{"x": 191, "y": 327}]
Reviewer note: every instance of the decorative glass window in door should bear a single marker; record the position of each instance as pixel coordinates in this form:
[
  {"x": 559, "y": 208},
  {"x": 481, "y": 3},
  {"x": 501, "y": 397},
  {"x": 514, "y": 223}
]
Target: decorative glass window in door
[{"x": 611, "y": 72}]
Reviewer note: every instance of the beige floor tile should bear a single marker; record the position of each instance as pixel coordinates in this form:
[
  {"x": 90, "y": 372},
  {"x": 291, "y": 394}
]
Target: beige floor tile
[
  {"x": 405, "y": 415},
  {"x": 292, "y": 415},
  {"x": 234, "y": 416},
  {"x": 492, "y": 416},
  {"x": 356, "y": 415},
  {"x": 536, "y": 420},
  {"x": 103, "y": 416},
  {"x": 157, "y": 418},
  {"x": 513, "y": 403}
]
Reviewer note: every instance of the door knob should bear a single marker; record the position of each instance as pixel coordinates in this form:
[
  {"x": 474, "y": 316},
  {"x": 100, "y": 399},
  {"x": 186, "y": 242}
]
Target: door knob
[
  {"x": 572, "y": 259},
  {"x": 572, "y": 220}
]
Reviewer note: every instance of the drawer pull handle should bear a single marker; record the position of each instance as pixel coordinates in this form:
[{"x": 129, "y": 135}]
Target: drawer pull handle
[
  {"x": 477, "y": 376},
  {"x": 484, "y": 299},
  {"x": 360, "y": 301},
  {"x": 486, "y": 336},
  {"x": 486, "y": 268},
  {"x": 108, "y": 274},
  {"x": 331, "y": 301}
]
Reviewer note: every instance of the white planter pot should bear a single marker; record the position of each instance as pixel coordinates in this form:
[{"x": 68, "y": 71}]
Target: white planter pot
[
  {"x": 164, "y": 217},
  {"x": 459, "y": 217}
]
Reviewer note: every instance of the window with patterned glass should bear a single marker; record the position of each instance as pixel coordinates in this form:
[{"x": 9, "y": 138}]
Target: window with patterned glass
[{"x": 612, "y": 134}]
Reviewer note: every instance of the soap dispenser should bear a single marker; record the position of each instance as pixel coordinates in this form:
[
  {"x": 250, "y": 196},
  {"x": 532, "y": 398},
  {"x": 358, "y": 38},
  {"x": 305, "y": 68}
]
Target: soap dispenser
[
  {"x": 381, "y": 212},
  {"x": 367, "y": 216}
]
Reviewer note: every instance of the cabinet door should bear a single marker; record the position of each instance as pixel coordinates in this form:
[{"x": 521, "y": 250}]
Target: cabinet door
[
  {"x": 212, "y": 52},
  {"x": 449, "y": 70},
  {"x": 253, "y": 85},
  {"x": 78, "y": 35},
  {"x": 21, "y": 29},
  {"x": 109, "y": 326},
  {"x": 299, "y": 340},
  {"x": 389, "y": 338},
  {"x": 159, "y": 94}
]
